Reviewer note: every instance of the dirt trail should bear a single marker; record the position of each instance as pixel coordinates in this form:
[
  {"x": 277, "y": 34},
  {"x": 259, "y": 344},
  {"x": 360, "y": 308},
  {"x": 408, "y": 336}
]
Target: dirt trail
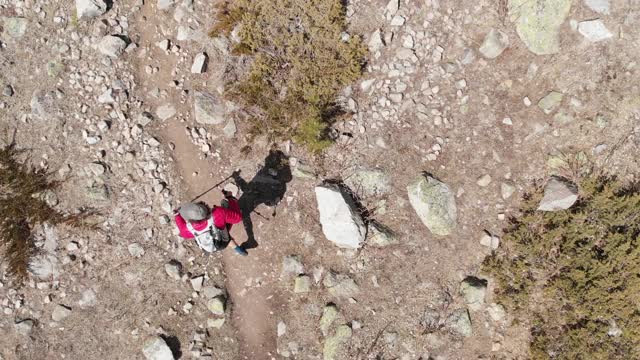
[
  {"x": 251, "y": 312},
  {"x": 250, "y": 309}
]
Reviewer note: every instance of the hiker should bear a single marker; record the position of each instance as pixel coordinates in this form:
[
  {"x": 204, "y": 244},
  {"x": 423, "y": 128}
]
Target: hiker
[{"x": 210, "y": 228}]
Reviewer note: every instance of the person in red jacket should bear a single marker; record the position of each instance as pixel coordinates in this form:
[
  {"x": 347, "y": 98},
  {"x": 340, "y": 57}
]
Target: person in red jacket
[{"x": 210, "y": 228}]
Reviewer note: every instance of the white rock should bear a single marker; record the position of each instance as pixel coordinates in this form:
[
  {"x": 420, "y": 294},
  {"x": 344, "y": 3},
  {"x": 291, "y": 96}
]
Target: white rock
[
  {"x": 340, "y": 220},
  {"x": 559, "y": 194},
  {"x": 197, "y": 282},
  {"x": 594, "y": 30},
  {"x": 45, "y": 266},
  {"x": 230, "y": 129},
  {"x": 282, "y": 328},
  {"x": 165, "y": 111},
  {"x": 489, "y": 240},
  {"x": 392, "y": 6},
  {"x": 291, "y": 265},
  {"x": 136, "y": 250},
  {"x": 600, "y": 6},
  {"x": 112, "y": 46},
  {"x": 484, "y": 180},
  {"x": 88, "y": 298},
  {"x": 163, "y": 44},
  {"x": 507, "y": 190},
  {"x": 199, "y": 63},
  {"x": 495, "y": 42},
  {"x": 376, "y": 42},
  {"x": 60, "y": 313},
  {"x": 90, "y": 8},
  {"x": 157, "y": 349},
  {"x": 398, "y": 20},
  {"x": 165, "y": 4}
]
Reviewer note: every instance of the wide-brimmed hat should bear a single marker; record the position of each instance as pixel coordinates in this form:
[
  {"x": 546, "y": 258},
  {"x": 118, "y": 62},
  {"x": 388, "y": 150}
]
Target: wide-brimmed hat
[{"x": 194, "y": 212}]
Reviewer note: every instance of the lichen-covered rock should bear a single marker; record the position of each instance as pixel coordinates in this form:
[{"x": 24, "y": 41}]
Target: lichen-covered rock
[
  {"x": 333, "y": 343},
  {"x": 369, "y": 182},
  {"x": 434, "y": 203},
  {"x": 340, "y": 285},
  {"x": 329, "y": 315},
  {"x": 380, "y": 236},
  {"x": 302, "y": 284},
  {"x": 216, "y": 305},
  {"x": 473, "y": 291},
  {"x": 459, "y": 322},
  {"x": 538, "y": 23},
  {"x": 495, "y": 42},
  {"x": 209, "y": 109}
]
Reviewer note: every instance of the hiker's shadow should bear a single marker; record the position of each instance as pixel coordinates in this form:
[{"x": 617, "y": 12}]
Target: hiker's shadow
[{"x": 267, "y": 187}]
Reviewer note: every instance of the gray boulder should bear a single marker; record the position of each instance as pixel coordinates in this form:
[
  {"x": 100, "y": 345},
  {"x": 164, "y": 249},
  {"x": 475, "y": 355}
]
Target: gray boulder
[
  {"x": 90, "y": 8},
  {"x": 209, "y": 109},
  {"x": 559, "y": 194},
  {"x": 473, "y": 291},
  {"x": 459, "y": 323},
  {"x": 339, "y": 217},
  {"x": 156, "y": 348},
  {"x": 495, "y": 42},
  {"x": 434, "y": 203},
  {"x": 538, "y": 23},
  {"x": 369, "y": 182},
  {"x": 112, "y": 46}
]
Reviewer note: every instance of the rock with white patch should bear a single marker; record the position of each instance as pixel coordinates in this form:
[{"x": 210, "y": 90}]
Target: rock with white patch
[
  {"x": 559, "y": 194},
  {"x": 339, "y": 217},
  {"x": 156, "y": 348},
  {"x": 112, "y": 46},
  {"x": 209, "y": 109},
  {"x": 594, "y": 30},
  {"x": 90, "y": 8},
  {"x": 434, "y": 204},
  {"x": 495, "y": 42}
]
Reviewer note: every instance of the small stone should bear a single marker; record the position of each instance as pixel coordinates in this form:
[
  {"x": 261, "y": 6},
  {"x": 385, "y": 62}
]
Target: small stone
[
  {"x": 135, "y": 250},
  {"x": 174, "y": 269},
  {"x": 90, "y": 8},
  {"x": 24, "y": 327},
  {"x": 156, "y": 348},
  {"x": 197, "y": 282},
  {"x": 282, "y": 328},
  {"x": 392, "y": 6},
  {"x": 163, "y": 44},
  {"x": 434, "y": 203},
  {"x": 291, "y": 265},
  {"x": 398, "y": 20},
  {"x": 489, "y": 240},
  {"x": 376, "y": 42},
  {"x": 550, "y": 102},
  {"x": 460, "y": 323},
  {"x": 559, "y": 194},
  {"x": 15, "y": 27},
  {"x": 199, "y": 63},
  {"x": 496, "y": 312},
  {"x": 165, "y": 4},
  {"x": 329, "y": 314},
  {"x": 495, "y": 42},
  {"x": 216, "y": 305},
  {"x": 209, "y": 109},
  {"x": 599, "y": 6},
  {"x": 96, "y": 168},
  {"x": 484, "y": 180},
  {"x": 72, "y": 246},
  {"x": 302, "y": 284},
  {"x": 332, "y": 344},
  {"x": 506, "y": 190},
  {"x": 7, "y": 90},
  {"x": 210, "y": 292},
  {"x": 215, "y": 323},
  {"x": 230, "y": 129},
  {"x": 341, "y": 285},
  {"x": 473, "y": 291},
  {"x": 112, "y": 46},
  {"x": 88, "y": 298},
  {"x": 60, "y": 313},
  {"x": 526, "y": 101},
  {"x": 369, "y": 182},
  {"x": 594, "y": 30},
  {"x": 165, "y": 111}
]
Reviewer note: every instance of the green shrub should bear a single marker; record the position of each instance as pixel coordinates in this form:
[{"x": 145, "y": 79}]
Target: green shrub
[
  {"x": 22, "y": 206},
  {"x": 575, "y": 274},
  {"x": 300, "y": 63}
]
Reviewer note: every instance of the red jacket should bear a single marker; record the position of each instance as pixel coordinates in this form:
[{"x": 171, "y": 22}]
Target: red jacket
[{"x": 221, "y": 218}]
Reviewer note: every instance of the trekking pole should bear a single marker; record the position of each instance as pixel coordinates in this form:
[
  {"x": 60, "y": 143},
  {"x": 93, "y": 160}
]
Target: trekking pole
[{"x": 213, "y": 187}]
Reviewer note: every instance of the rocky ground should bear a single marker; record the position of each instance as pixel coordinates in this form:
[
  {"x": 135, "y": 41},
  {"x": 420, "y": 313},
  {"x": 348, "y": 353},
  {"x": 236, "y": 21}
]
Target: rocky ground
[{"x": 123, "y": 101}]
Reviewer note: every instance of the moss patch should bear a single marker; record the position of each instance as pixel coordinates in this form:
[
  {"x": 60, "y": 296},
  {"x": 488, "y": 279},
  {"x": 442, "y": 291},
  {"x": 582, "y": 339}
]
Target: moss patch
[
  {"x": 575, "y": 274},
  {"x": 302, "y": 58}
]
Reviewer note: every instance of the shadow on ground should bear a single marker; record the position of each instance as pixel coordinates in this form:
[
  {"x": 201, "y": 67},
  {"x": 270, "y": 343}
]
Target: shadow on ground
[{"x": 267, "y": 187}]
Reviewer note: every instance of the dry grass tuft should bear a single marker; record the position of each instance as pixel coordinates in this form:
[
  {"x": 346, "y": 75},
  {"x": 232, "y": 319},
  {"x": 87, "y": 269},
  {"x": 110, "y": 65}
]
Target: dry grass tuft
[{"x": 23, "y": 206}]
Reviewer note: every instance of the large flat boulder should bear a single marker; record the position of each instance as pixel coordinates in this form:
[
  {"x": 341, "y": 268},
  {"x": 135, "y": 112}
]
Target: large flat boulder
[
  {"x": 538, "y": 23},
  {"x": 434, "y": 203},
  {"x": 341, "y": 222}
]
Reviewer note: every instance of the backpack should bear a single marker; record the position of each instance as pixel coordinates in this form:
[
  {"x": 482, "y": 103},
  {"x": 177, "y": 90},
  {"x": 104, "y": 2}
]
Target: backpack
[{"x": 209, "y": 239}]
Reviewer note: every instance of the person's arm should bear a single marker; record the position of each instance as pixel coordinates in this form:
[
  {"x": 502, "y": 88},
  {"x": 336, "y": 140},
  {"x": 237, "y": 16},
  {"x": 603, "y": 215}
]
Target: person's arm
[
  {"x": 182, "y": 226},
  {"x": 223, "y": 216}
]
